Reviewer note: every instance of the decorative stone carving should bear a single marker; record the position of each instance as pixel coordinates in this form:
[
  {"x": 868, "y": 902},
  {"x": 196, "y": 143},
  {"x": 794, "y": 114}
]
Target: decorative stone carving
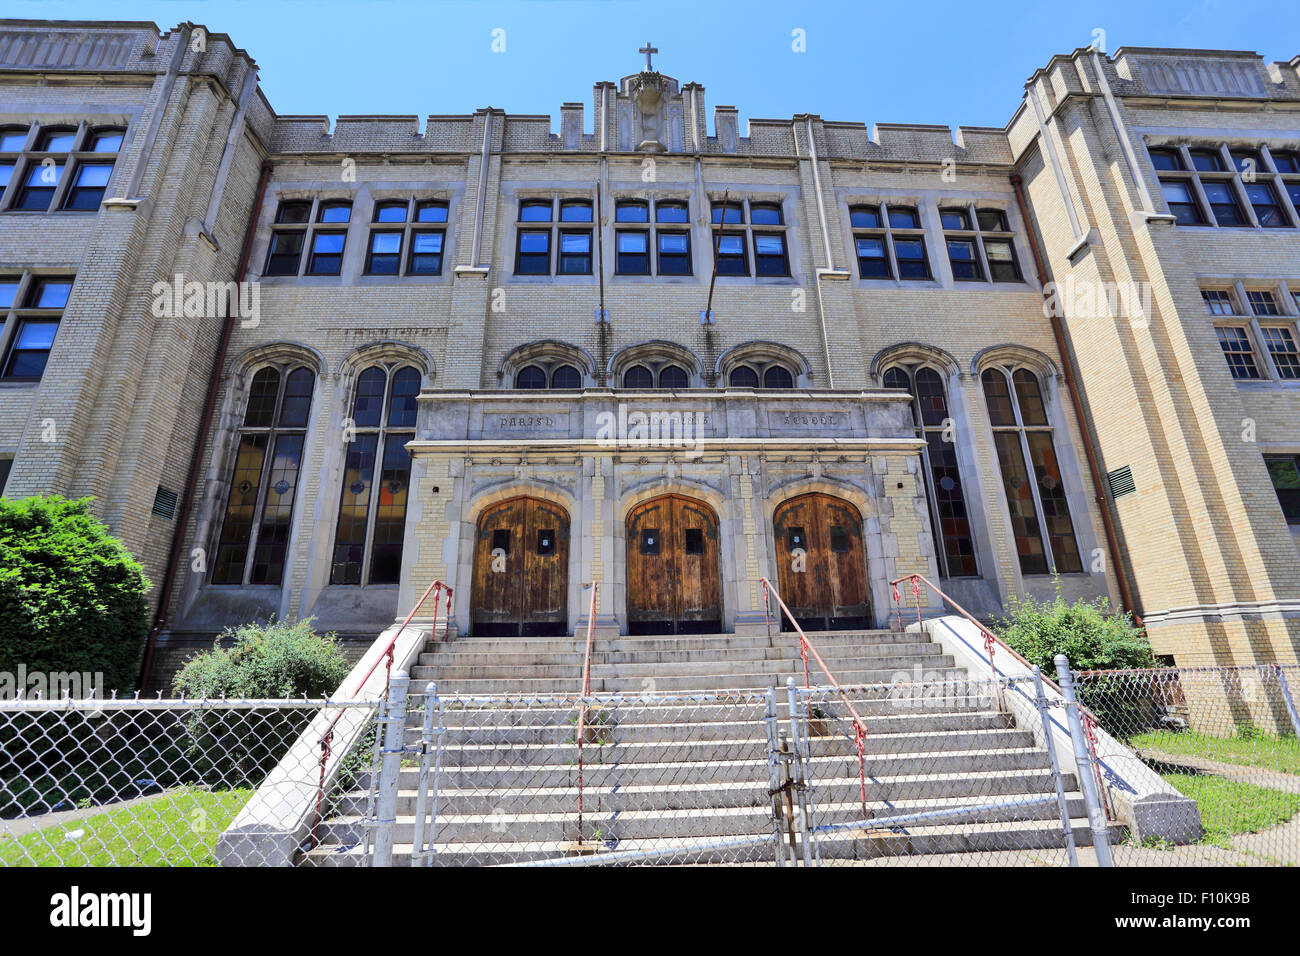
[
  {"x": 1201, "y": 76},
  {"x": 647, "y": 89}
]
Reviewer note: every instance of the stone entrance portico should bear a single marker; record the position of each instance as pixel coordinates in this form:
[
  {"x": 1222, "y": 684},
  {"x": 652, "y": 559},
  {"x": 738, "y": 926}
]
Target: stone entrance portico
[{"x": 599, "y": 454}]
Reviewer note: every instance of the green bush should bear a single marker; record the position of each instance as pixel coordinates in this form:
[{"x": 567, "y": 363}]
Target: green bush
[
  {"x": 276, "y": 660},
  {"x": 266, "y": 660},
  {"x": 1093, "y": 637},
  {"x": 72, "y": 598},
  {"x": 1089, "y": 633}
]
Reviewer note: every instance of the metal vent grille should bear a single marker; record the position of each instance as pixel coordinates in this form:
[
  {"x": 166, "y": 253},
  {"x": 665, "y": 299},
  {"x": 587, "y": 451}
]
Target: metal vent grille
[
  {"x": 1121, "y": 482},
  {"x": 164, "y": 503}
]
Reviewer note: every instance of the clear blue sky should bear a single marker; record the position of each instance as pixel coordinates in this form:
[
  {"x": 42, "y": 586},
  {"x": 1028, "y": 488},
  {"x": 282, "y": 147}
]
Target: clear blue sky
[{"x": 923, "y": 61}]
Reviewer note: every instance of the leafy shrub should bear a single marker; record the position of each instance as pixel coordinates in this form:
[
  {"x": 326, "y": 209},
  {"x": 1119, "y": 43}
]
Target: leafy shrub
[
  {"x": 1089, "y": 633},
  {"x": 1093, "y": 637},
  {"x": 275, "y": 660},
  {"x": 278, "y": 659},
  {"x": 72, "y": 598}
]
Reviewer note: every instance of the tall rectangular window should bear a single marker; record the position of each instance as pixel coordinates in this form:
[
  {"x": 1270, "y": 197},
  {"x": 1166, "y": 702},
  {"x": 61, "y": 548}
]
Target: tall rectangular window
[
  {"x": 376, "y": 480},
  {"x": 1024, "y": 439},
  {"x": 254, "y": 542}
]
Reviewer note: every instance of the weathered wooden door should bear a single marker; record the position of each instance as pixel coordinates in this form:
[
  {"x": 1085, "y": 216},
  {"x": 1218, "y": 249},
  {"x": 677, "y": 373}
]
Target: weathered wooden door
[
  {"x": 673, "y": 581},
  {"x": 521, "y": 569},
  {"x": 821, "y": 564}
]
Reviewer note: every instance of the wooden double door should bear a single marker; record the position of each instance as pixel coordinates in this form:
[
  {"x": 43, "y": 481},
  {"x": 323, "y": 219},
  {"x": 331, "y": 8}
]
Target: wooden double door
[
  {"x": 673, "y": 578},
  {"x": 521, "y": 570},
  {"x": 821, "y": 563}
]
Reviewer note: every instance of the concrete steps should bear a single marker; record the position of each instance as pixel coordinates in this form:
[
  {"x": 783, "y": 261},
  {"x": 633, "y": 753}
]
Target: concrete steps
[{"x": 692, "y": 770}]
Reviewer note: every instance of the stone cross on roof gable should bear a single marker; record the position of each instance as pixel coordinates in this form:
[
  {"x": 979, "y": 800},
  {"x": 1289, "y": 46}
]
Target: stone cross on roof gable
[{"x": 648, "y": 50}]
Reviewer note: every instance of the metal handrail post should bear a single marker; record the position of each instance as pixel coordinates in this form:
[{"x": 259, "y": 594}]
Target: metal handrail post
[
  {"x": 1040, "y": 701},
  {"x": 418, "y": 850},
  {"x": 1083, "y": 761},
  {"x": 774, "y": 775},
  {"x": 390, "y": 769},
  {"x": 798, "y": 733}
]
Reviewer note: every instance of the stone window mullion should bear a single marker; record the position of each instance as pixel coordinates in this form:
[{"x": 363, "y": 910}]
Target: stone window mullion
[{"x": 1023, "y": 434}]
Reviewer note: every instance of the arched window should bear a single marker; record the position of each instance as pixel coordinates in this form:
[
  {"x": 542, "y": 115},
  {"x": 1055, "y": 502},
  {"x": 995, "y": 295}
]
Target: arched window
[
  {"x": 759, "y": 365},
  {"x": 949, "y": 519},
  {"x": 530, "y": 376},
  {"x": 372, "y": 507},
  {"x": 259, "y": 510},
  {"x": 638, "y": 376},
  {"x": 672, "y": 376},
  {"x": 777, "y": 376},
  {"x": 742, "y": 376},
  {"x": 566, "y": 376},
  {"x": 1022, "y": 432}
]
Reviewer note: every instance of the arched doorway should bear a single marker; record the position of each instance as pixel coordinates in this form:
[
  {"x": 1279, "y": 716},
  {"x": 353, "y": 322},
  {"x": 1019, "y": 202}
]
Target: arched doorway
[
  {"x": 521, "y": 570},
  {"x": 673, "y": 584},
  {"x": 821, "y": 564}
]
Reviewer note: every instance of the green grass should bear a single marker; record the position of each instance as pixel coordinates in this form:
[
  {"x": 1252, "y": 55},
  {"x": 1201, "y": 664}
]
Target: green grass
[
  {"x": 1248, "y": 749},
  {"x": 1230, "y": 807},
  {"x": 178, "y": 828}
]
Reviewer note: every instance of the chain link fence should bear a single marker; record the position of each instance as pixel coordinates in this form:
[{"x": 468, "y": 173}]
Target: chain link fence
[
  {"x": 935, "y": 773},
  {"x": 157, "y": 782},
  {"x": 1174, "y": 766},
  {"x": 605, "y": 780},
  {"x": 1222, "y": 737}
]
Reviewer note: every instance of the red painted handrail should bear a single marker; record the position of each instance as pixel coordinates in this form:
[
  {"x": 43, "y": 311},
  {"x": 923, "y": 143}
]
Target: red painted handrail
[
  {"x": 586, "y": 692},
  {"x": 386, "y": 654},
  {"x": 805, "y": 648},
  {"x": 991, "y": 640}
]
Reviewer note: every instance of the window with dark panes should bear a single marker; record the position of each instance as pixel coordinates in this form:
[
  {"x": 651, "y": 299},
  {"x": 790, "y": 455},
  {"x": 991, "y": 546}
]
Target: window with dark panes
[
  {"x": 533, "y": 256},
  {"x": 376, "y": 478},
  {"x": 88, "y": 185},
  {"x": 949, "y": 519},
  {"x": 672, "y": 376},
  {"x": 1238, "y": 351},
  {"x": 426, "y": 253},
  {"x": 632, "y": 252},
  {"x": 1023, "y": 438},
  {"x": 674, "y": 253},
  {"x": 385, "y": 254},
  {"x": 1284, "y": 470},
  {"x": 34, "y": 327},
  {"x": 575, "y": 253},
  {"x": 770, "y": 257},
  {"x": 777, "y": 376},
  {"x": 566, "y": 377},
  {"x": 254, "y": 540},
  {"x": 530, "y": 376},
  {"x": 731, "y": 257},
  {"x": 638, "y": 376},
  {"x": 326, "y": 257}
]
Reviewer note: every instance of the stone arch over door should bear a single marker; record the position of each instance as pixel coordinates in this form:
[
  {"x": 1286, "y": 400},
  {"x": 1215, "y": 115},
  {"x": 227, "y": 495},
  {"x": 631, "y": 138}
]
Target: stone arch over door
[
  {"x": 821, "y": 562},
  {"x": 520, "y": 582},
  {"x": 674, "y": 567}
]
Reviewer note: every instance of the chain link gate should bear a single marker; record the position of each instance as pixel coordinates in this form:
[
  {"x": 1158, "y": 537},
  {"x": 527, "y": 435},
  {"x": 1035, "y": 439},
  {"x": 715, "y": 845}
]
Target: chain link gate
[
  {"x": 724, "y": 778},
  {"x": 932, "y": 773},
  {"x": 598, "y": 780}
]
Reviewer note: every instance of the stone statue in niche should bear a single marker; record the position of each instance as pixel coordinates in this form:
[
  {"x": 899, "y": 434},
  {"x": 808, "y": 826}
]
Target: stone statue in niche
[{"x": 647, "y": 89}]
